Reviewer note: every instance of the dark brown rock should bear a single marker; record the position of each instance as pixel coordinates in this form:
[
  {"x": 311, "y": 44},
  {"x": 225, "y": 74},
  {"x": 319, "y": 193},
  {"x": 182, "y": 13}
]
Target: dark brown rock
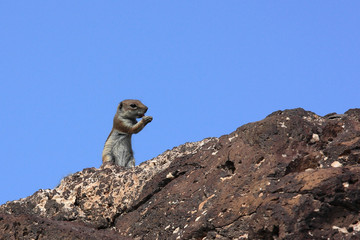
[
  {"x": 293, "y": 175},
  {"x": 14, "y": 226}
]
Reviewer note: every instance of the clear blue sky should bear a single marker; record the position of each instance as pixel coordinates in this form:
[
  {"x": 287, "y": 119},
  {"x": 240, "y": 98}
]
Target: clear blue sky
[{"x": 203, "y": 68}]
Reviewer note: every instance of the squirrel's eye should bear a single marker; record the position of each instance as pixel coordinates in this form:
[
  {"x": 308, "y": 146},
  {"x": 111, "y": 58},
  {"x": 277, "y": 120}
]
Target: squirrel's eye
[{"x": 133, "y": 105}]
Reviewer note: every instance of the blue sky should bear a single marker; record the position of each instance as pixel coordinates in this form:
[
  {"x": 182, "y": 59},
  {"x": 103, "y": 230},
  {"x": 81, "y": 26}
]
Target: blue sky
[{"x": 203, "y": 68}]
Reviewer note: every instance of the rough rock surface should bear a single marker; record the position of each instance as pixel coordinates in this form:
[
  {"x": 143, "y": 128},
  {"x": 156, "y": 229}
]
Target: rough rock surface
[{"x": 293, "y": 175}]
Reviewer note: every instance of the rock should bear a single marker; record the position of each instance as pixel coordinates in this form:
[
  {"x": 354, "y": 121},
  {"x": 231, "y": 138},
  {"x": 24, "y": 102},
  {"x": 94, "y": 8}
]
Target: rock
[
  {"x": 293, "y": 175},
  {"x": 336, "y": 164}
]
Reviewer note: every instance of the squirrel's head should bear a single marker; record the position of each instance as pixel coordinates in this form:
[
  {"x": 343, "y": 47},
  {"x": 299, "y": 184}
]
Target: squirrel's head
[{"x": 131, "y": 109}]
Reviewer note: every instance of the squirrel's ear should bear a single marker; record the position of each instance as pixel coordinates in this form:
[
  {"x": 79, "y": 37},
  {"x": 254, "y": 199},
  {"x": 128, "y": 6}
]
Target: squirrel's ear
[{"x": 120, "y": 106}]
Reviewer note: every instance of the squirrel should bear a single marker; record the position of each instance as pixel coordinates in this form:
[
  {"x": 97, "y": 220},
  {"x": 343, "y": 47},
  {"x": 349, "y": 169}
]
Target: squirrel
[{"x": 117, "y": 147}]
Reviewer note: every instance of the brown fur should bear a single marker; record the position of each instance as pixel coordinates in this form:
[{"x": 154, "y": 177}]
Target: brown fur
[{"x": 124, "y": 125}]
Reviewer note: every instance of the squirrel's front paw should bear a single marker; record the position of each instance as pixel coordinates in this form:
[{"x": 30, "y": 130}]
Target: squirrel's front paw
[{"x": 147, "y": 119}]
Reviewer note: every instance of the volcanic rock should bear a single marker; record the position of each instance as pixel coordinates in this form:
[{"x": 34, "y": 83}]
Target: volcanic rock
[{"x": 293, "y": 175}]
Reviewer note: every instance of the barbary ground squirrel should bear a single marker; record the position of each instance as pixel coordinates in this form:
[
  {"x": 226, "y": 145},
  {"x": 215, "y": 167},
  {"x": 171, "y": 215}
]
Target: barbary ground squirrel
[{"x": 117, "y": 147}]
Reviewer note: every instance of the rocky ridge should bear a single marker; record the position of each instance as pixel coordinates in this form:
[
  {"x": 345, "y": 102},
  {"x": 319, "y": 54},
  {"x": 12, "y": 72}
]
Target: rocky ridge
[{"x": 293, "y": 175}]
